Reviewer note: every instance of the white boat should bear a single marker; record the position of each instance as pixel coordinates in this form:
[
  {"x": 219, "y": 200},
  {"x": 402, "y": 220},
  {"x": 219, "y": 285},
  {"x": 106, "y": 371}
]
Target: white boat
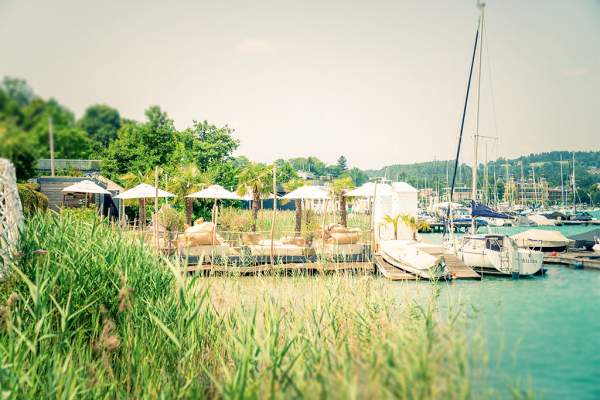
[
  {"x": 498, "y": 254},
  {"x": 411, "y": 256},
  {"x": 596, "y": 247}
]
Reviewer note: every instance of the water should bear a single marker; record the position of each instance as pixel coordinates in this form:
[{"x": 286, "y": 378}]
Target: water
[{"x": 541, "y": 333}]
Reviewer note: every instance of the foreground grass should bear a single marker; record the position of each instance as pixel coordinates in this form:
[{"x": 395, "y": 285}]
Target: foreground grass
[{"x": 101, "y": 316}]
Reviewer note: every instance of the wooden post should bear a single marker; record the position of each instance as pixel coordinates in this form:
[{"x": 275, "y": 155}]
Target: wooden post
[
  {"x": 274, "y": 210},
  {"x": 51, "y": 144},
  {"x": 214, "y": 221},
  {"x": 155, "y": 216}
]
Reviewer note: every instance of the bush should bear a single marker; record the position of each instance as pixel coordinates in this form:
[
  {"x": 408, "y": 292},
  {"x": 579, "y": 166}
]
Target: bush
[
  {"x": 32, "y": 200},
  {"x": 170, "y": 219}
]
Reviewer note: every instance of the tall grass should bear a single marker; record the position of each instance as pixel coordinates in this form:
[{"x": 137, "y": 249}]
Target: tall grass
[{"x": 99, "y": 315}]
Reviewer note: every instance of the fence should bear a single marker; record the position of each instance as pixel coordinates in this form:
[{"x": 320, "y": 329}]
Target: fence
[{"x": 11, "y": 214}]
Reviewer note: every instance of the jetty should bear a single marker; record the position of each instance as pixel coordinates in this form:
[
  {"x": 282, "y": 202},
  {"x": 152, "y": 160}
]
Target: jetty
[
  {"x": 576, "y": 260},
  {"x": 458, "y": 270},
  {"x": 308, "y": 267}
]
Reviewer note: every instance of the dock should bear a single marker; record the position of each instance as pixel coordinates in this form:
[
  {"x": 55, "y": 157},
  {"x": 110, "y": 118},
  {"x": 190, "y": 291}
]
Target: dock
[
  {"x": 207, "y": 269},
  {"x": 458, "y": 270},
  {"x": 576, "y": 260}
]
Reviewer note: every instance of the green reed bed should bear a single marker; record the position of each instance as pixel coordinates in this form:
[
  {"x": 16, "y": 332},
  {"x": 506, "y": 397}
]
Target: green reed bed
[{"x": 100, "y": 315}]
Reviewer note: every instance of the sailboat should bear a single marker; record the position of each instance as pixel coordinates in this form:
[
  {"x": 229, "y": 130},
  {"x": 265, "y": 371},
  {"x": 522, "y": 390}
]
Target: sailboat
[{"x": 488, "y": 253}]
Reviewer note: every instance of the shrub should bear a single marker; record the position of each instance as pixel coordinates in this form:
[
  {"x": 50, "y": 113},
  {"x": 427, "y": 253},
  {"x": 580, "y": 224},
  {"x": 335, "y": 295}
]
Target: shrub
[{"x": 32, "y": 200}]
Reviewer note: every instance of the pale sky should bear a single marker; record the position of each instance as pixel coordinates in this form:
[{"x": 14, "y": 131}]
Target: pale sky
[{"x": 381, "y": 82}]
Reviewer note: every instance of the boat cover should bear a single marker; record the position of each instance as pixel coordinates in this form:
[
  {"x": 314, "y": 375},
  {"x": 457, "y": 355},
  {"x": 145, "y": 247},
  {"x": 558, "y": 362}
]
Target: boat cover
[
  {"x": 541, "y": 238},
  {"x": 586, "y": 239},
  {"x": 481, "y": 210},
  {"x": 541, "y": 220}
]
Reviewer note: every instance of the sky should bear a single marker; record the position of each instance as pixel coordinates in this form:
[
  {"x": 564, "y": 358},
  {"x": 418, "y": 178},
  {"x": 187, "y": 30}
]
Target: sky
[{"x": 381, "y": 82}]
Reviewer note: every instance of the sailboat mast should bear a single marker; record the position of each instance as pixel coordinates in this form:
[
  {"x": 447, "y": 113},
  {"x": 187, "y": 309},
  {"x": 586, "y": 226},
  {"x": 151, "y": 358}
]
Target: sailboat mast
[
  {"x": 481, "y": 7},
  {"x": 574, "y": 186},
  {"x": 562, "y": 186}
]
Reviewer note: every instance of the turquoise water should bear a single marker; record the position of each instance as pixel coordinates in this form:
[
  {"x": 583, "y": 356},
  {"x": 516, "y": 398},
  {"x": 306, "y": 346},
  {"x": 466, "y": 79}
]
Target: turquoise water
[{"x": 541, "y": 333}]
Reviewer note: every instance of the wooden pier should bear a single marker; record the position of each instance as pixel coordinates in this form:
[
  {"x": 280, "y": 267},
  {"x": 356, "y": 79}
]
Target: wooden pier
[
  {"x": 576, "y": 260},
  {"x": 458, "y": 270},
  {"x": 310, "y": 267}
]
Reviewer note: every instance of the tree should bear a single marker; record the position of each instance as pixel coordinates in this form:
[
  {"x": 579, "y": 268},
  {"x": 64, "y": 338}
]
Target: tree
[
  {"x": 342, "y": 163},
  {"x": 187, "y": 180},
  {"x": 339, "y": 188},
  {"x": 394, "y": 221},
  {"x": 18, "y": 90},
  {"x": 411, "y": 223},
  {"x": 101, "y": 122},
  {"x": 141, "y": 147},
  {"x": 72, "y": 143},
  {"x": 358, "y": 176},
  {"x": 257, "y": 179},
  {"x": 19, "y": 147},
  {"x": 285, "y": 171},
  {"x": 293, "y": 185},
  {"x": 131, "y": 179},
  {"x": 205, "y": 144}
]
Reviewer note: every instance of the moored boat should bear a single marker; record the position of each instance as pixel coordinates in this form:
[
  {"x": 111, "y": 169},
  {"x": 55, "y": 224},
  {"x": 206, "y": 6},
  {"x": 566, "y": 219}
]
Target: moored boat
[{"x": 411, "y": 256}]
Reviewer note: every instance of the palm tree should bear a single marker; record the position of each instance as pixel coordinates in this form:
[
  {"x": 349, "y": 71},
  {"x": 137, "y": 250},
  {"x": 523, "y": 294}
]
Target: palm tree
[
  {"x": 257, "y": 179},
  {"x": 394, "y": 221},
  {"x": 339, "y": 187},
  {"x": 293, "y": 185},
  {"x": 187, "y": 180},
  {"x": 411, "y": 223}
]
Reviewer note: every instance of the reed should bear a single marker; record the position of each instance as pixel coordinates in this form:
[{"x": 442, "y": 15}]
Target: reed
[{"x": 98, "y": 315}]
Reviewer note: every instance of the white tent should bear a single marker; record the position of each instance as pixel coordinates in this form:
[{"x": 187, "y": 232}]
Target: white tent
[
  {"x": 85, "y": 186},
  {"x": 405, "y": 199},
  {"x": 215, "y": 192},
  {"x": 143, "y": 191},
  {"x": 307, "y": 193}
]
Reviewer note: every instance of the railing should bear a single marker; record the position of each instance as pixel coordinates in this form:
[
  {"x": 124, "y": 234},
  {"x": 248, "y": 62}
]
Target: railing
[{"x": 11, "y": 215}]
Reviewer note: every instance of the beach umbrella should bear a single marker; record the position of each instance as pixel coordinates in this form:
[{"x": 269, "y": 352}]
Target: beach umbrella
[
  {"x": 143, "y": 191},
  {"x": 85, "y": 186},
  {"x": 215, "y": 192},
  {"x": 307, "y": 193}
]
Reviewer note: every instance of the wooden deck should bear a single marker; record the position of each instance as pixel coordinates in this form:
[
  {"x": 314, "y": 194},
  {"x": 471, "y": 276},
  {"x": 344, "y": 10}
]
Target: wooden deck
[
  {"x": 281, "y": 268},
  {"x": 575, "y": 260},
  {"x": 458, "y": 270}
]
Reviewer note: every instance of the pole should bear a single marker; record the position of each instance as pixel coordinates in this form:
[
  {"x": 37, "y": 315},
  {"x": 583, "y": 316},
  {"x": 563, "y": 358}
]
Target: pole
[
  {"x": 274, "y": 210},
  {"x": 155, "y": 216},
  {"x": 574, "y": 187},
  {"x": 51, "y": 144}
]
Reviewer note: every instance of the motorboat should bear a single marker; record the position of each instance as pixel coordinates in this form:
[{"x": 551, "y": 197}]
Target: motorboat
[
  {"x": 542, "y": 240},
  {"x": 498, "y": 254},
  {"x": 412, "y": 256}
]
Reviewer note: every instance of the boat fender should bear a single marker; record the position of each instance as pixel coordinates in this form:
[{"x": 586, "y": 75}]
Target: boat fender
[
  {"x": 578, "y": 265},
  {"x": 554, "y": 253},
  {"x": 515, "y": 275}
]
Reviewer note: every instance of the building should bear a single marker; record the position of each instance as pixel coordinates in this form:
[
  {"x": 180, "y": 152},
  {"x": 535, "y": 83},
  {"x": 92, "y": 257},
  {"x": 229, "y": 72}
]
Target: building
[{"x": 62, "y": 166}]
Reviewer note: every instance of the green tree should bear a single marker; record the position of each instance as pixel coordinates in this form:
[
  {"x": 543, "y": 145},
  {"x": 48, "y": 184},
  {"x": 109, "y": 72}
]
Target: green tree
[
  {"x": 187, "y": 180},
  {"x": 18, "y": 90},
  {"x": 141, "y": 147},
  {"x": 342, "y": 163},
  {"x": 339, "y": 188},
  {"x": 285, "y": 171},
  {"x": 72, "y": 143},
  {"x": 358, "y": 176},
  {"x": 101, "y": 122},
  {"x": 257, "y": 179},
  {"x": 205, "y": 144},
  {"x": 19, "y": 147}
]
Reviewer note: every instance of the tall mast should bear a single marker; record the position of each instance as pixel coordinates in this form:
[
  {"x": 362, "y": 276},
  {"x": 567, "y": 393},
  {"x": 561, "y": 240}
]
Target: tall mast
[
  {"x": 481, "y": 7},
  {"x": 562, "y": 186},
  {"x": 574, "y": 186},
  {"x": 522, "y": 185}
]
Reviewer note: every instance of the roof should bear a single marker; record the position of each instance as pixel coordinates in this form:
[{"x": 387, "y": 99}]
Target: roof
[
  {"x": 403, "y": 187},
  {"x": 368, "y": 190}
]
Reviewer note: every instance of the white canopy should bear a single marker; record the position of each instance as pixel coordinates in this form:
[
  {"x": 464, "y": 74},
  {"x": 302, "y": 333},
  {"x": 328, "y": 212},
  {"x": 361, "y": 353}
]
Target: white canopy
[
  {"x": 143, "y": 191},
  {"x": 248, "y": 196},
  {"x": 368, "y": 190},
  {"x": 215, "y": 192},
  {"x": 86, "y": 186},
  {"x": 307, "y": 193}
]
